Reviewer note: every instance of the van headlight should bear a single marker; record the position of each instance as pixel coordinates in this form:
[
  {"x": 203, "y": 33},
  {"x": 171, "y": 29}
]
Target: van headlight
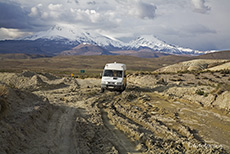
[{"x": 104, "y": 82}]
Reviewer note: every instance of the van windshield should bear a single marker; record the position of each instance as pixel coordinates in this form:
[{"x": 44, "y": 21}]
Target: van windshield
[{"x": 112, "y": 73}]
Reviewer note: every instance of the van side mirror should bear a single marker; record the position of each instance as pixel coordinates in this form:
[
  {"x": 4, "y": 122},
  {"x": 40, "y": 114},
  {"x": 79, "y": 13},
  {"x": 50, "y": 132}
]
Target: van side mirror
[{"x": 125, "y": 76}]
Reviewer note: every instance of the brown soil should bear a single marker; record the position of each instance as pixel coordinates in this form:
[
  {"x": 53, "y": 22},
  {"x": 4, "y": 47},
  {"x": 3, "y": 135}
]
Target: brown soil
[{"x": 47, "y": 114}]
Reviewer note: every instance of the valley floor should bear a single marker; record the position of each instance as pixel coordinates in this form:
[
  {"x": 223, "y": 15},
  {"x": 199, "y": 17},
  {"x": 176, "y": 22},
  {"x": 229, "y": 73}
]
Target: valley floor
[{"x": 41, "y": 113}]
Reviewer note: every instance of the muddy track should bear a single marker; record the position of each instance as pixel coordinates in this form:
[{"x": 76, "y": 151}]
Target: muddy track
[
  {"x": 155, "y": 125},
  {"x": 122, "y": 143},
  {"x": 74, "y": 125},
  {"x": 58, "y": 137},
  {"x": 61, "y": 137},
  {"x": 74, "y": 117}
]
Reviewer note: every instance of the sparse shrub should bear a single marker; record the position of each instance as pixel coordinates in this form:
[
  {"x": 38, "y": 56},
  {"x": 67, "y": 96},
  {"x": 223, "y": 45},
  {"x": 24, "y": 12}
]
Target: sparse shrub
[
  {"x": 3, "y": 91},
  {"x": 200, "y": 92},
  {"x": 11, "y": 85},
  {"x": 156, "y": 75},
  {"x": 205, "y": 94}
]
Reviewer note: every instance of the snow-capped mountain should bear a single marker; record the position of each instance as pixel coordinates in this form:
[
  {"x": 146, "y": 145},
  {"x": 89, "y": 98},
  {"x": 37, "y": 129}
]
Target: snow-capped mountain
[
  {"x": 65, "y": 37},
  {"x": 76, "y": 35},
  {"x": 152, "y": 42}
]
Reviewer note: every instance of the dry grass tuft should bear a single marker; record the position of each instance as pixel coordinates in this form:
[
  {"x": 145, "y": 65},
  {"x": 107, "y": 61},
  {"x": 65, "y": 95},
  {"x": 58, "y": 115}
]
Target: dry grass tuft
[
  {"x": 221, "y": 88},
  {"x": 3, "y": 91}
]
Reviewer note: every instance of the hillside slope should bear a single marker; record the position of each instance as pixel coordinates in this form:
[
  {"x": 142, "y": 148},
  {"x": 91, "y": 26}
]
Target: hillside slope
[
  {"x": 216, "y": 55},
  {"x": 20, "y": 56},
  {"x": 225, "y": 66},
  {"x": 86, "y": 49},
  {"x": 192, "y": 65}
]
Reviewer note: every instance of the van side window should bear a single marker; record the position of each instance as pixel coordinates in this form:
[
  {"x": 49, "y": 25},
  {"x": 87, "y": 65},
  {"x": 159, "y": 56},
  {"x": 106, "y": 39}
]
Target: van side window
[{"x": 118, "y": 73}]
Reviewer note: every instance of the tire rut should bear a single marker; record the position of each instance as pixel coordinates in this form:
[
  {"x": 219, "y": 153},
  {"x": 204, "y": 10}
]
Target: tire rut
[
  {"x": 119, "y": 139},
  {"x": 61, "y": 130},
  {"x": 59, "y": 137}
]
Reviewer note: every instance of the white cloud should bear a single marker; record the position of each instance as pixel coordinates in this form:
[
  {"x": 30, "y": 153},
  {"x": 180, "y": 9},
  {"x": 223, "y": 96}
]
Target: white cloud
[
  {"x": 145, "y": 10},
  {"x": 55, "y": 7},
  {"x": 9, "y": 33},
  {"x": 45, "y": 15},
  {"x": 92, "y": 15},
  {"x": 199, "y": 6},
  {"x": 55, "y": 10},
  {"x": 86, "y": 15},
  {"x": 139, "y": 9},
  {"x": 46, "y": 12},
  {"x": 189, "y": 23},
  {"x": 35, "y": 11}
]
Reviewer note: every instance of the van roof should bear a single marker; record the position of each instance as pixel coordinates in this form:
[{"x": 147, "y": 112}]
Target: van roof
[{"x": 115, "y": 66}]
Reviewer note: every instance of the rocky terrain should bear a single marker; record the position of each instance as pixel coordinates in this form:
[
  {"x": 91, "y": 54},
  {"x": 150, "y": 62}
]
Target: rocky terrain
[{"x": 159, "y": 112}]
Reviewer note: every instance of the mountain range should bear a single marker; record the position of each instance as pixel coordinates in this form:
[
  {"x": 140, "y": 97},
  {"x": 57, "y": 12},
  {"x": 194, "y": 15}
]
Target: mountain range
[{"x": 71, "y": 40}]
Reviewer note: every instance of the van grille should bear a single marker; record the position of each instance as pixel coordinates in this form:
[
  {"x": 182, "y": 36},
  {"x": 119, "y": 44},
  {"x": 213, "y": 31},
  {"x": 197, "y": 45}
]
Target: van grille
[{"x": 111, "y": 83}]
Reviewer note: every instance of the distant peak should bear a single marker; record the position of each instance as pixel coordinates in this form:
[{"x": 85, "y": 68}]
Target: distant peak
[
  {"x": 149, "y": 37},
  {"x": 56, "y": 28}
]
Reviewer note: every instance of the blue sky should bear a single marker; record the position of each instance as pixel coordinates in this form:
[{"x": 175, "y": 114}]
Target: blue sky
[{"x": 197, "y": 24}]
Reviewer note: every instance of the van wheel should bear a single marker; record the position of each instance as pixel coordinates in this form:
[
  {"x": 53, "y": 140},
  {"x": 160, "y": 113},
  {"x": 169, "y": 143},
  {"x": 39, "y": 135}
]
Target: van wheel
[
  {"x": 102, "y": 90},
  {"x": 123, "y": 89},
  {"x": 120, "y": 91}
]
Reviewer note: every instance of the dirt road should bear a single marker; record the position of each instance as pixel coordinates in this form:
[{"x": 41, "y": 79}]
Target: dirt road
[{"x": 70, "y": 115}]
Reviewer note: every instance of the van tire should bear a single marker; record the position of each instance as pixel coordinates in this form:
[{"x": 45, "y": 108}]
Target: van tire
[
  {"x": 102, "y": 90},
  {"x": 123, "y": 88}
]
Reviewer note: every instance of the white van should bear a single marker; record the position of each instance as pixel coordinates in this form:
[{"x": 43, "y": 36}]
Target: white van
[{"x": 114, "y": 77}]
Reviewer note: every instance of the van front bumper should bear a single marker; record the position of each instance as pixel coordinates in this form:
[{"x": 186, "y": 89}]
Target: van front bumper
[{"x": 112, "y": 87}]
